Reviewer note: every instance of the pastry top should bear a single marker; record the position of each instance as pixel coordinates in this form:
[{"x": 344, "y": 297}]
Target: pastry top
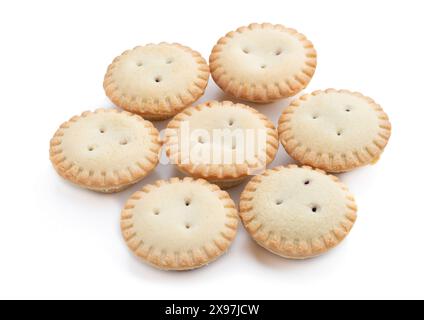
[
  {"x": 263, "y": 62},
  {"x": 297, "y": 212},
  {"x": 195, "y": 225},
  {"x": 105, "y": 148},
  {"x": 334, "y": 130},
  {"x": 235, "y": 138},
  {"x": 156, "y": 79}
]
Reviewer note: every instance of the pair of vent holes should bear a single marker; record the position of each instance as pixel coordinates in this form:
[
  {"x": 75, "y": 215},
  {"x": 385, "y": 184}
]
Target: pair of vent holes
[
  {"x": 123, "y": 142},
  {"x": 277, "y": 52},
  {"x": 187, "y": 203},
  {"x": 230, "y": 124},
  {"x": 168, "y": 61},
  {"x": 340, "y": 132},
  {"x": 314, "y": 208},
  {"x": 347, "y": 109},
  {"x": 158, "y": 79}
]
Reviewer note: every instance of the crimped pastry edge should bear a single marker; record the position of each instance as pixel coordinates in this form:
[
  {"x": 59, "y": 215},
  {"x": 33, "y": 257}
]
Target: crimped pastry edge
[
  {"x": 96, "y": 180},
  {"x": 329, "y": 162},
  {"x": 222, "y": 172},
  {"x": 180, "y": 261},
  {"x": 167, "y": 107},
  {"x": 272, "y": 91},
  {"x": 295, "y": 248}
]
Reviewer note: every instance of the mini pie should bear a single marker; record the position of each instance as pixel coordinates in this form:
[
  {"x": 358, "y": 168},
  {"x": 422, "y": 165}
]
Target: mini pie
[
  {"x": 231, "y": 120},
  {"x": 297, "y": 213},
  {"x": 194, "y": 226},
  {"x": 263, "y": 62},
  {"x": 157, "y": 80},
  {"x": 106, "y": 150},
  {"x": 335, "y": 131}
]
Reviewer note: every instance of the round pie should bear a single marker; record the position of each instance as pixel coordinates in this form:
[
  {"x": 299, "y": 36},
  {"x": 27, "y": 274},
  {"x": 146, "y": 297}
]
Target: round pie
[
  {"x": 334, "y": 130},
  {"x": 297, "y": 213},
  {"x": 157, "y": 80},
  {"x": 263, "y": 62},
  {"x": 194, "y": 226},
  {"x": 221, "y": 142},
  {"x": 106, "y": 150}
]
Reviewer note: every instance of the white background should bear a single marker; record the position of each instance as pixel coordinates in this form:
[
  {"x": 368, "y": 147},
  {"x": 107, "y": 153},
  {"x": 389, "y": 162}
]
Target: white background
[{"x": 58, "y": 241}]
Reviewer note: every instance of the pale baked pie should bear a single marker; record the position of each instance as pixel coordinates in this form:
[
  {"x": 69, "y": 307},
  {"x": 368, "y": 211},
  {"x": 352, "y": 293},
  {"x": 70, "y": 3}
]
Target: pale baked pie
[
  {"x": 194, "y": 226},
  {"x": 263, "y": 62},
  {"x": 157, "y": 80},
  {"x": 296, "y": 212},
  {"x": 334, "y": 130},
  {"x": 106, "y": 150},
  {"x": 221, "y": 142}
]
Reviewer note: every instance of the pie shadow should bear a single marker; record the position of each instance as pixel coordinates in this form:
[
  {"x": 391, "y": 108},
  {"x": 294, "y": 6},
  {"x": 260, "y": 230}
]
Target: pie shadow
[{"x": 278, "y": 263}]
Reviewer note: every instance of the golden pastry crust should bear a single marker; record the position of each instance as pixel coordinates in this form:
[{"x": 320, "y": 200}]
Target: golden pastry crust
[
  {"x": 72, "y": 146},
  {"x": 225, "y": 175},
  {"x": 156, "y": 81},
  {"x": 263, "y": 62},
  {"x": 201, "y": 223},
  {"x": 361, "y": 130},
  {"x": 293, "y": 233}
]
